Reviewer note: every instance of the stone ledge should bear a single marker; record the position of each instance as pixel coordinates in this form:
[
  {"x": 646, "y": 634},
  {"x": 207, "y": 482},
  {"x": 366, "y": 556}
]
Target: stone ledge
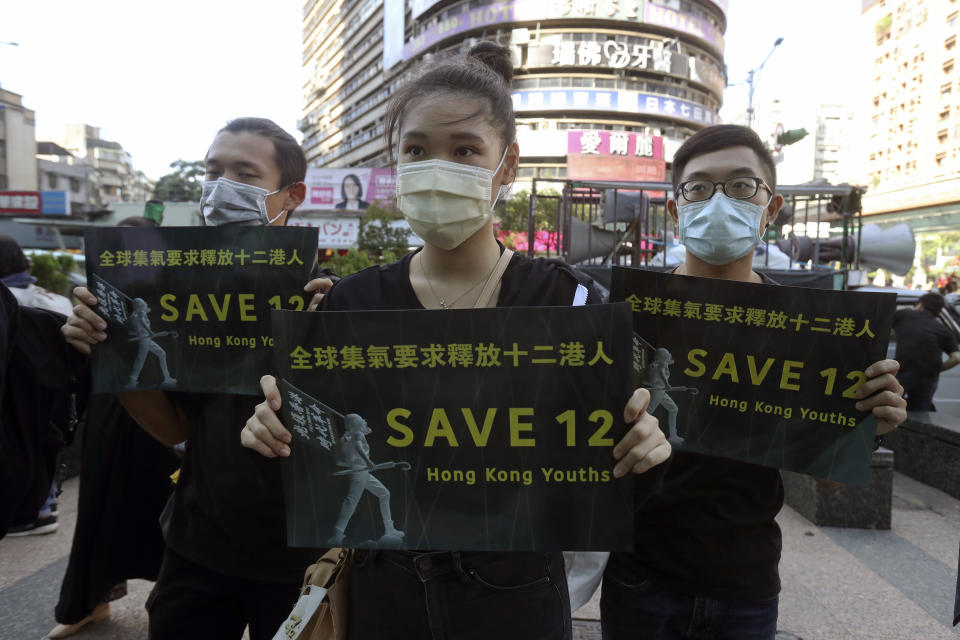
[
  {"x": 927, "y": 452},
  {"x": 845, "y": 506}
]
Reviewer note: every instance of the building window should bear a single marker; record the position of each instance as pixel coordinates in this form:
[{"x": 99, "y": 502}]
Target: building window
[
  {"x": 945, "y": 113},
  {"x": 74, "y": 185},
  {"x": 948, "y": 66},
  {"x": 53, "y": 180},
  {"x": 947, "y": 88},
  {"x": 950, "y": 42},
  {"x": 942, "y": 135}
]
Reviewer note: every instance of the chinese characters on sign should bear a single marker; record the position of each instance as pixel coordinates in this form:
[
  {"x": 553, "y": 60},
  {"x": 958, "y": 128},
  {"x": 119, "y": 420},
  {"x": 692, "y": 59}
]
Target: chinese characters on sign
[
  {"x": 750, "y": 316},
  {"x": 433, "y": 355},
  {"x": 618, "y": 55},
  {"x": 198, "y": 257},
  {"x": 311, "y": 419},
  {"x": 20, "y": 202},
  {"x": 615, "y": 143},
  {"x": 629, "y": 101}
]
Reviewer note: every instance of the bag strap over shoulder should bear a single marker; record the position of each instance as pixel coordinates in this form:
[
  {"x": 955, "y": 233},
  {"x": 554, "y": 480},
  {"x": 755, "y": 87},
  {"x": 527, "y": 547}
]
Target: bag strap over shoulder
[
  {"x": 494, "y": 279},
  {"x": 323, "y": 572}
]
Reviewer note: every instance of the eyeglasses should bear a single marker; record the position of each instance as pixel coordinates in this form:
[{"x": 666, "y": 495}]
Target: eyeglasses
[{"x": 739, "y": 188}]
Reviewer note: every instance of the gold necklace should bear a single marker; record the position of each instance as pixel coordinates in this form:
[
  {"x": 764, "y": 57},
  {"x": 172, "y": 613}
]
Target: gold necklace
[{"x": 443, "y": 303}]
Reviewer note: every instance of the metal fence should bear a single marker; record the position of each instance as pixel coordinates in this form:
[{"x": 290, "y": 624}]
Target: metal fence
[{"x": 627, "y": 223}]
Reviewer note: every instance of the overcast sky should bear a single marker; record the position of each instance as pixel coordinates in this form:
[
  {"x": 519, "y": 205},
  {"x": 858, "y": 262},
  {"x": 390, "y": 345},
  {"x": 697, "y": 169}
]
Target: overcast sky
[{"x": 161, "y": 78}]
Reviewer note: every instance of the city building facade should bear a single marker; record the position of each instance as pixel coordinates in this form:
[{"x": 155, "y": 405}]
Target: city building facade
[
  {"x": 603, "y": 89},
  {"x": 18, "y": 144},
  {"x": 117, "y": 180},
  {"x": 60, "y": 170},
  {"x": 913, "y": 137}
]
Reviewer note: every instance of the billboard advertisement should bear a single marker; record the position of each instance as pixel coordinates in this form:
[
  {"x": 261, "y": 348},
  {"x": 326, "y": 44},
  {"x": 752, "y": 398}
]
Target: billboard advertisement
[
  {"x": 469, "y": 19},
  {"x": 352, "y": 189}
]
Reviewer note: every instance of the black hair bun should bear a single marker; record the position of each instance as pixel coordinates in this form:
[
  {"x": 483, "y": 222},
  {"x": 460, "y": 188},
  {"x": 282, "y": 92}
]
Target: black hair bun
[{"x": 494, "y": 56}]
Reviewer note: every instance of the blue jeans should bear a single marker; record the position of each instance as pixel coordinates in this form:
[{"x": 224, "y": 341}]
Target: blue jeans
[
  {"x": 458, "y": 596},
  {"x": 631, "y": 608}
]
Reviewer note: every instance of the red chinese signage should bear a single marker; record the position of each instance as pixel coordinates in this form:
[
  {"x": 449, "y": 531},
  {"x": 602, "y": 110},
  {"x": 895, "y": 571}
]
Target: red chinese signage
[{"x": 20, "y": 203}]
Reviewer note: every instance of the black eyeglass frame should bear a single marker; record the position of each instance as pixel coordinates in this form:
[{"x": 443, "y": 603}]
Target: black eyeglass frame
[{"x": 758, "y": 182}]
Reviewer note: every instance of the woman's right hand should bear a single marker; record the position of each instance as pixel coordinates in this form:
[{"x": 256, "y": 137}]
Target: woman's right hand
[
  {"x": 263, "y": 432},
  {"x": 84, "y": 327}
]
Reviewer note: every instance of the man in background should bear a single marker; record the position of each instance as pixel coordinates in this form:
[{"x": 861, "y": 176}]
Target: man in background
[{"x": 921, "y": 338}]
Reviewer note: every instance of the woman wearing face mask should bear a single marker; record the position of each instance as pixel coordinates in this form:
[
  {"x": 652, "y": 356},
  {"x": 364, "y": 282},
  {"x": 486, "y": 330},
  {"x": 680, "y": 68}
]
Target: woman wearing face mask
[{"x": 457, "y": 154}]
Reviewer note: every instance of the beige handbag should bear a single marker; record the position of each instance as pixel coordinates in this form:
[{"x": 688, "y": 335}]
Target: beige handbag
[{"x": 321, "y": 611}]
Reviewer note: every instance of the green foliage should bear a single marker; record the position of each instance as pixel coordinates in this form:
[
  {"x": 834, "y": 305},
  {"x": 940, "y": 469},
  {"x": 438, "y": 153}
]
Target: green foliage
[
  {"x": 376, "y": 236},
  {"x": 515, "y": 212},
  {"x": 183, "y": 184},
  {"x": 50, "y": 272},
  {"x": 355, "y": 260}
]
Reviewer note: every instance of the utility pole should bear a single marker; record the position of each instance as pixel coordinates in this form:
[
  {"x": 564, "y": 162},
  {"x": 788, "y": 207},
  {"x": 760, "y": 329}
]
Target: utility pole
[{"x": 752, "y": 79}]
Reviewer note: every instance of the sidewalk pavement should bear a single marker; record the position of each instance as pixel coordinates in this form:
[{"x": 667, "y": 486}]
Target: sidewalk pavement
[{"x": 838, "y": 584}]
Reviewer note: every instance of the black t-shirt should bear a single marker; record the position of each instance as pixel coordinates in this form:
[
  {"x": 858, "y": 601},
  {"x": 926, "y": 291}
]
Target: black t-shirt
[
  {"x": 228, "y": 512},
  {"x": 710, "y": 529},
  {"x": 526, "y": 283},
  {"x": 920, "y": 340}
]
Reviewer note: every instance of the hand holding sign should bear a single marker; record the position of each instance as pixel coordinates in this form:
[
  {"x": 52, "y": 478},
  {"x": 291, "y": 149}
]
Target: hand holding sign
[
  {"x": 882, "y": 395},
  {"x": 264, "y": 433},
  {"x": 84, "y": 327}
]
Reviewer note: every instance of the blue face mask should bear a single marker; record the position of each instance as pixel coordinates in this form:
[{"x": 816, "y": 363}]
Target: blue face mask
[{"x": 722, "y": 229}]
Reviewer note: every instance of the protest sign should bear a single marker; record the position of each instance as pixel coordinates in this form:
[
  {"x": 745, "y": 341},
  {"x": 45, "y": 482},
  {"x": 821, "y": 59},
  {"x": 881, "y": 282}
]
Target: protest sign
[
  {"x": 486, "y": 429},
  {"x": 760, "y": 373},
  {"x": 187, "y": 308}
]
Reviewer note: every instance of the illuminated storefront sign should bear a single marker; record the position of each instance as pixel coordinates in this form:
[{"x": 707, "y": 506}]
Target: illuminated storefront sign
[
  {"x": 655, "y": 56},
  {"x": 626, "y": 101}
]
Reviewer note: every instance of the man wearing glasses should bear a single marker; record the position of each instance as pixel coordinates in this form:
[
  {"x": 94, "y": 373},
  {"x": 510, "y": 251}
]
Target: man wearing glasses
[{"x": 707, "y": 545}]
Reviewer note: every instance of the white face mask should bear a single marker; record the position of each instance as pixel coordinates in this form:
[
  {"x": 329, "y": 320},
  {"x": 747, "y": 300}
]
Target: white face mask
[
  {"x": 446, "y": 202},
  {"x": 721, "y": 229},
  {"x": 224, "y": 201}
]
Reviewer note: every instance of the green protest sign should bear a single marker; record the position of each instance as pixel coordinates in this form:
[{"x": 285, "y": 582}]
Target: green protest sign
[
  {"x": 760, "y": 373},
  {"x": 487, "y": 429},
  {"x": 187, "y": 308}
]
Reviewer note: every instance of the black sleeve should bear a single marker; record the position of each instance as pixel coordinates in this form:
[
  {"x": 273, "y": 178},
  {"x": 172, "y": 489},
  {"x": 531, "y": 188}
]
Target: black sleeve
[{"x": 948, "y": 342}]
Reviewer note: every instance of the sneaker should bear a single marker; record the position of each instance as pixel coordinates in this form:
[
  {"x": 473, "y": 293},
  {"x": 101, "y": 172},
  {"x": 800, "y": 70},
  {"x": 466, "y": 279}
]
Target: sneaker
[{"x": 40, "y": 526}]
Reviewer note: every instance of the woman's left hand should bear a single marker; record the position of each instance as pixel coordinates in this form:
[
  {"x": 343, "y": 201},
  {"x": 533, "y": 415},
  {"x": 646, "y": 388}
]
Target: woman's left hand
[
  {"x": 644, "y": 446},
  {"x": 882, "y": 395}
]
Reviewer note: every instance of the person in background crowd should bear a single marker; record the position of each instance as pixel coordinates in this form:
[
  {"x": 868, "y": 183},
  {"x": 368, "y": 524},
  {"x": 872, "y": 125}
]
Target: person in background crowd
[
  {"x": 124, "y": 484},
  {"x": 921, "y": 338},
  {"x": 15, "y": 274}
]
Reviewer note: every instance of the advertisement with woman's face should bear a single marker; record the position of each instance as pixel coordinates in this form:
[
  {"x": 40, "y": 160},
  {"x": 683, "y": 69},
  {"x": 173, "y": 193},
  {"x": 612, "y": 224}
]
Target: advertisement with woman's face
[{"x": 352, "y": 189}]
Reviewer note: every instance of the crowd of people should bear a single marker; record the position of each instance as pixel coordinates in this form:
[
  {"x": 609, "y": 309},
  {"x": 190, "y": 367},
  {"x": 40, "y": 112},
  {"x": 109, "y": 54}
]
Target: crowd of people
[{"x": 707, "y": 547}]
